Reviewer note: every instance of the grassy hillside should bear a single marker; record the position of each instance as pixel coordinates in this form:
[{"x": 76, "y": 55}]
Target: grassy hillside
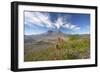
[{"x": 72, "y": 47}]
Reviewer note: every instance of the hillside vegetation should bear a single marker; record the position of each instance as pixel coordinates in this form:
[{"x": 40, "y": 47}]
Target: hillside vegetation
[{"x": 70, "y": 48}]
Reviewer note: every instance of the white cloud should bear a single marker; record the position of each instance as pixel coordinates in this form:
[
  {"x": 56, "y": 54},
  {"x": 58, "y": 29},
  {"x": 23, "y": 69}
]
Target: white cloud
[
  {"x": 59, "y": 23},
  {"x": 77, "y": 28},
  {"x": 71, "y": 26},
  {"x": 66, "y": 25},
  {"x": 39, "y": 19},
  {"x": 43, "y": 20},
  {"x": 30, "y": 17}
]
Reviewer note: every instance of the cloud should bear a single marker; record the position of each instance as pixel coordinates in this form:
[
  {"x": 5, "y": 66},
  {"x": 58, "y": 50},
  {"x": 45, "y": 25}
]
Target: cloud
[
  {"x": 43, "y": 19},
  {"x": 30, "y": 17},
  {"x": 77, "y": 28},
  {"x": 38, "y": 19},
  {"x": 59, "y": 23},
  {"x": 71, "y": 26}
]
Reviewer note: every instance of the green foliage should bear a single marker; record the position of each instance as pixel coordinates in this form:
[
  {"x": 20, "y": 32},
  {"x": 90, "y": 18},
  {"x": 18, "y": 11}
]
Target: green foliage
[{"x": 75, "y": 47}]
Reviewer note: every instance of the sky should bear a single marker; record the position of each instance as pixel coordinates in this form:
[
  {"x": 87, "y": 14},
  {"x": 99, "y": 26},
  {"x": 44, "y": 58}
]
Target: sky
[{"x": 68, "y": 23}]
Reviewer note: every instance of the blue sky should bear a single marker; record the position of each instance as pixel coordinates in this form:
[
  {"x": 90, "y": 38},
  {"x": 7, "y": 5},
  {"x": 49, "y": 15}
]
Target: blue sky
[{"x": 69, "y": 23}]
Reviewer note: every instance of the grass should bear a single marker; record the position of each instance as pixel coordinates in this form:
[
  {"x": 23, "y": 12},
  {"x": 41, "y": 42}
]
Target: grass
[{"x": 75, "y": 47}]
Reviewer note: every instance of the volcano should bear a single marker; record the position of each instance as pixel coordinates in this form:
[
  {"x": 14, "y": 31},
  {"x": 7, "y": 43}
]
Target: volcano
[
  {"x": 54, "y": 34},
  {"x": 49, "y": 35}
]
